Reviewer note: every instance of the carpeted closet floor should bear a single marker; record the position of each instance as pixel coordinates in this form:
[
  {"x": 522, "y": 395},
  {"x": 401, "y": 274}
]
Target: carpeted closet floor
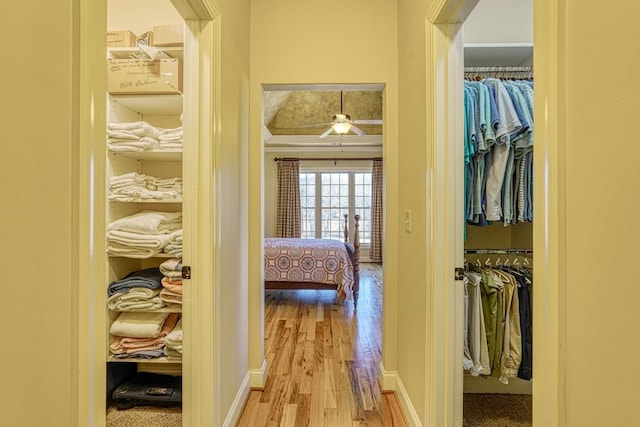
[
  {"x": 144, "y": 416},
  {"x": 497, "y": 410}
]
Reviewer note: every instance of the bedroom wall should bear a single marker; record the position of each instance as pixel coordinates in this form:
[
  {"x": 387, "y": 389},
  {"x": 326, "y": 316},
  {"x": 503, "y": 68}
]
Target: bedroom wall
[{"x": 321, "y": 42}]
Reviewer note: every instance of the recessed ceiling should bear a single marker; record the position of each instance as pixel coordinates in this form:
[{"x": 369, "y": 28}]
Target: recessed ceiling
[{"x": 309, "y": 112}]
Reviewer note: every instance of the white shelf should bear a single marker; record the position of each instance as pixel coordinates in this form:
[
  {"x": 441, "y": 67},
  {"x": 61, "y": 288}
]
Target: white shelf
[
  {"x": 154, "y": 155},
  {"x": 498, "y": 54},
  {"x": 126, "y": 52},
  {"x": 150, "y": 103}
]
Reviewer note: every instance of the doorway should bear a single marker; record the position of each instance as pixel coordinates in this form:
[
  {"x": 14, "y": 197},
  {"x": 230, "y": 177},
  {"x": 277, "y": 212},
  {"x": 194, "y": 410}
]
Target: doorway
[
  {"x": 445, "y": 69},
  {"x": 335, "y": 180},
  {"x": 96, "y": 163}
]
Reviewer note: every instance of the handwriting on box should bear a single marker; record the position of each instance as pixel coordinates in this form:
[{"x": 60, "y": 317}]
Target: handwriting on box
[{"x": 140, "y": 74}]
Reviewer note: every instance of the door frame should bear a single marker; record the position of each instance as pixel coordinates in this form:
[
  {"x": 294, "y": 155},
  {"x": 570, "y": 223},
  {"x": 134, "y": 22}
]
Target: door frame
[
  {"x": 202, "y": 323},
  {"x": 444, "y": 78}
]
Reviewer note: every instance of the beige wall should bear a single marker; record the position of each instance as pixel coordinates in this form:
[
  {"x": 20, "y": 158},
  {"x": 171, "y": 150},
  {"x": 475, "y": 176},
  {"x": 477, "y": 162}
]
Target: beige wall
[
  {"x": 141, "y": 15},
  {"x": 412, "y": 290},
  {"x": 318, "y": 42},
  {"x": 602, "y": 234},
  {"x": 38, "y": 149},
  {"x": 234, "y": 355}
]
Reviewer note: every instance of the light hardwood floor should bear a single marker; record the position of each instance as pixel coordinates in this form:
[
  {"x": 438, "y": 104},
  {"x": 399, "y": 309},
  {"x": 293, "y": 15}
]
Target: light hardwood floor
[{"x": 322, "y": 360}]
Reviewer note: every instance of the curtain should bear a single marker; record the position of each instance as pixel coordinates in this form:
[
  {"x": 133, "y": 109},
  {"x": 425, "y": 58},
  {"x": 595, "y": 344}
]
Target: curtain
[
  {"x": 288, "y": 216},
  {"x": 376, "y": 210}
]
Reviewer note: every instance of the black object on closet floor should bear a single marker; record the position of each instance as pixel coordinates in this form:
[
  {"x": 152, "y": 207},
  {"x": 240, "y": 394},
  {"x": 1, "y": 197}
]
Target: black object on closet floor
[{"x": 147, "y": 389}]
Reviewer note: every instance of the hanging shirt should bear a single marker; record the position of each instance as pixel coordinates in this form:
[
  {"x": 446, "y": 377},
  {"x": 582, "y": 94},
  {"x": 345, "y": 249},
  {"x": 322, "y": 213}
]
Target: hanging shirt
[{"x": 508, "y": 125}]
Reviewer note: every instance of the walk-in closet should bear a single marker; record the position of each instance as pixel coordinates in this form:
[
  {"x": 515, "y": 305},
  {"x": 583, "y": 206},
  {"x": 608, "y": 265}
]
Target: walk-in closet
[{"x": 498, "y": 214}]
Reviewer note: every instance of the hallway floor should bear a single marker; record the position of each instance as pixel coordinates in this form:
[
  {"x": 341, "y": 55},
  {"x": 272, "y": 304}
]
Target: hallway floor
[{"x": 323, "y": 358}]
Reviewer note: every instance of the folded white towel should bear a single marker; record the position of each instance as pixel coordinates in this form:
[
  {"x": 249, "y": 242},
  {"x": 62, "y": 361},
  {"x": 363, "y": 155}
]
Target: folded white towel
[
  {"x": 132, "y": 193},
  {"x": 127, "y": 177},
  {"x": 125, "y": 126},
  {"x": 172, "y": 268},
  {"x": 178, "y": 129},
  {"x": 122, "y": 134},
  {"x": 170, "y": 137},
  {"x": 148, "y": 222},
  {"x": 136, "y": 128},
  {"x": 137, "y": 240},
  {"x": 115, "y": 249},
  {"x": 132, "y": 145},
  {"x": 170, "y": 146},
  {"x": 136, "y": 299},
  {"x": 176, "y": 236},
  {"x": 121, "y": 148},
  {"x": 138, "y": 325}
]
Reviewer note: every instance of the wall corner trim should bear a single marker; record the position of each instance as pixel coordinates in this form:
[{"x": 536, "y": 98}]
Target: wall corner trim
[
  {"x": 387, "y": 379},
  {"x": 258, "y": 377},
  {"x": 233, "y": 416}
]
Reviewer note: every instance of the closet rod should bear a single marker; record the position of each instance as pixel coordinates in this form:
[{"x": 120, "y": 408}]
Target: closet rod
[
  {"x": 505, "y": 72},
  {"x": 334, "y": 159},
  {"x": 522, "y": 69},
  {"x": 499, "y": 251}
]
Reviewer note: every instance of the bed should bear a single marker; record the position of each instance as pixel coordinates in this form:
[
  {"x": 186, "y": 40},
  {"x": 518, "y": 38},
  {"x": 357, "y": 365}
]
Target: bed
[{"x": 291, "y": 263}]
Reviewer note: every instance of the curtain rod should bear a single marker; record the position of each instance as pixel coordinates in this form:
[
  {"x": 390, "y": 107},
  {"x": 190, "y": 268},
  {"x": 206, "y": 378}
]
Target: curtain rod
[{"x": 334, "y": 159}]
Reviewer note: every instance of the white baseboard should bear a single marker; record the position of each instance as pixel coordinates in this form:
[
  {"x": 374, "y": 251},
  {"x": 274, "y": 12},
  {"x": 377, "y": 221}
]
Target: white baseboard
[
  {"x": 258, "y": 377},
  {"x": 386, "y": 379},
  {"x": 390, "y": 381},
  {"x": 238, "y": 403}
]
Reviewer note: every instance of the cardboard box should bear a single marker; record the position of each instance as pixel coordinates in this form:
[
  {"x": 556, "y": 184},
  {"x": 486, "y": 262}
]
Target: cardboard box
[
  {"x": 142, "y": 76},
  {"x": 168, "y": 35},
  {"x": 124, "y": 38}
]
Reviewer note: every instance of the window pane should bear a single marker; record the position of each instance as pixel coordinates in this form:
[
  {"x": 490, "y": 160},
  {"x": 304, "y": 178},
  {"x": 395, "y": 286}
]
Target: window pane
[{"x": 334, "y": 203}]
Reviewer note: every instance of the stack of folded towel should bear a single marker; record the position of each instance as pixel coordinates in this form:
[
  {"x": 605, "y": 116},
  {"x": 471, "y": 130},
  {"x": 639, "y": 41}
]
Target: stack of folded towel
[
  {"x": 133, "y": 186},
  {"x": 134, "y": 136},
  {"x": 171, "y": 138},
  {"x": 141, "y": 335},
  {"x": 174, "y": 247},
  {"x": 171, "y": 283},
  {"x": 138, "y": 290},
  {"x": 173, "y": 343},
  {"x": 143, "y": 234}
]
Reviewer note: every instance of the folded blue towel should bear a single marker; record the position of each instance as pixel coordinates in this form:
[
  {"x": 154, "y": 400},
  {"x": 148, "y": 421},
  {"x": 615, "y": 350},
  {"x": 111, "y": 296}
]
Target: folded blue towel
[{"x": 150, "y": 278}]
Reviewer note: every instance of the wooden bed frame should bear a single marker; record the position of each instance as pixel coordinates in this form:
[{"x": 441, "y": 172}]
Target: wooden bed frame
[{"x": 354, "y": 255}]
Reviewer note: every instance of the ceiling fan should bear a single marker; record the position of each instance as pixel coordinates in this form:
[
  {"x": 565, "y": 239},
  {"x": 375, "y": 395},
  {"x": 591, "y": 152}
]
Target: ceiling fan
[{"x": 342, "y": 123}]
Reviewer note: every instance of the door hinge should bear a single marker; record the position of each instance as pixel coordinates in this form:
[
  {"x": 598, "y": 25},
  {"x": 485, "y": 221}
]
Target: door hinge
[
  {"x": 458, "y": 273},
  {"x": 186, "y": 272}
]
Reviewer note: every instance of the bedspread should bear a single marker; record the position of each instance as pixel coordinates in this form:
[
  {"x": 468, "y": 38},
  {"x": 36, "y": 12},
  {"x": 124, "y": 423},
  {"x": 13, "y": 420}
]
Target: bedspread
[{"x": 309, "y": 260}]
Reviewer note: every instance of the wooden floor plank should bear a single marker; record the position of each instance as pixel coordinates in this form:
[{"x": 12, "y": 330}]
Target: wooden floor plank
[{"x": 323, "y": 359}]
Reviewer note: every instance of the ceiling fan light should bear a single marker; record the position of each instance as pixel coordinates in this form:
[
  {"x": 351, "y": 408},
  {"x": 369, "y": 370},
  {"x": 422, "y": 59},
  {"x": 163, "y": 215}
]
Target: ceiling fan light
[{"x": 341, "y": 128}]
